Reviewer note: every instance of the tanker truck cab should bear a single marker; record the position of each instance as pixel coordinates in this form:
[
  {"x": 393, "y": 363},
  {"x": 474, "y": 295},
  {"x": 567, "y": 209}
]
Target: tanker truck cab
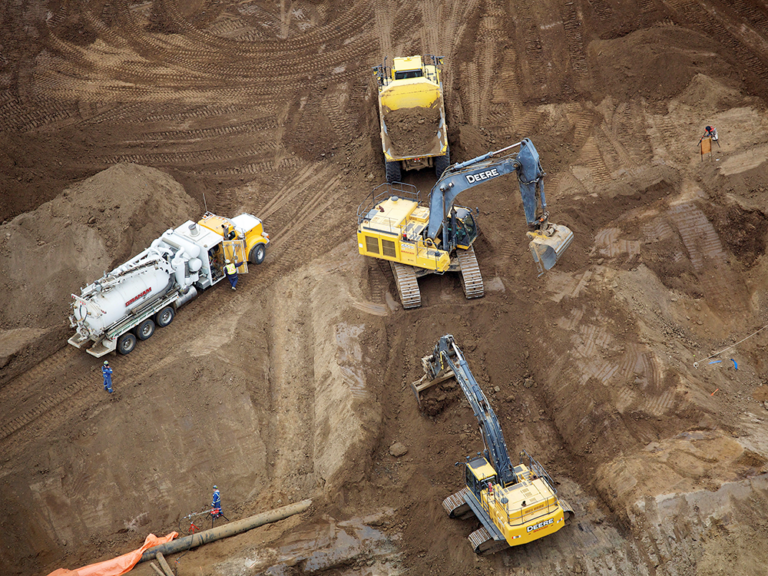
[
  {"x": 128, "y": 303},
  {"x": 245, "y": 233}
]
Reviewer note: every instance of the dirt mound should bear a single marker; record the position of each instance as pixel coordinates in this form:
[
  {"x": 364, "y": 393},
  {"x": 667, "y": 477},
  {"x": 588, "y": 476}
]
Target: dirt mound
[
  {"x": 271, "y": 402},
  {"x": 412, "y": 131},
  {"x": 70, "y": 241},
  {"x": 657, "y": 63},
  {"x": 744, "y": 231}
]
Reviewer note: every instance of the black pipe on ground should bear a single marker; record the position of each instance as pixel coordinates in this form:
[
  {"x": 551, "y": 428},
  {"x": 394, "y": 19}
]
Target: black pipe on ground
[{"x": 206, "y": 536}]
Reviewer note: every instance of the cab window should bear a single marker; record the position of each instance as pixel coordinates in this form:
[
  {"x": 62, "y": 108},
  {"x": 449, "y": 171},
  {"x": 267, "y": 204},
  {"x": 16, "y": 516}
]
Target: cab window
[
  {"x": 406, "y": 74},
  {"x": 469, "y": 225}
]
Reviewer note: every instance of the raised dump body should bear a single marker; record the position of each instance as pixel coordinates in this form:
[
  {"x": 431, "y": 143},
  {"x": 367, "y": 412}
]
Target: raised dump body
[{"x": 414, "y": 133}]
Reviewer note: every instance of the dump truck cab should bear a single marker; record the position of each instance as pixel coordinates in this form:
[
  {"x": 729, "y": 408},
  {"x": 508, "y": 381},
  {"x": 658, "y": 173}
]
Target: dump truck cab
[{"x": 412, "y": 67}]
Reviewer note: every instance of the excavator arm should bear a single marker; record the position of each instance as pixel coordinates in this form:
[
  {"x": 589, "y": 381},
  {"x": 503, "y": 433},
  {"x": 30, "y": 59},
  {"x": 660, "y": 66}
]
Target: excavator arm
[
  {"x": 462, "y": 176},
  {"x": 448, "y": 356},
  {"x": 548, "y": 241}
]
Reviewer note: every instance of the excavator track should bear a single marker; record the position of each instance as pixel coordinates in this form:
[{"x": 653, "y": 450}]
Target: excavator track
[
  {"x": 483, "y": 543},
  {"x": 471, "y": 279},
  {"x": 456, "y": 505},
  {"x": 407, "y": 285}
]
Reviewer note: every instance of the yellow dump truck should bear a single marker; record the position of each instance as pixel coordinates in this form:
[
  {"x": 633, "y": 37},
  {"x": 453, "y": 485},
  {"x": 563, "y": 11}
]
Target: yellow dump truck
[{"x": 414, "y": 134}]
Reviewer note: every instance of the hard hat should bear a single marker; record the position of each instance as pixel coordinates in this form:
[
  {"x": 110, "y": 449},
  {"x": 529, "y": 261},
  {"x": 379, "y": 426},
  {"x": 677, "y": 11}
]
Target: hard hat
[
  {"x": 228, "y": 261},
  {"x": 215, "y": 487},
  {"x": 106, "y": 363},
  {"x": 708, "y": 128}
]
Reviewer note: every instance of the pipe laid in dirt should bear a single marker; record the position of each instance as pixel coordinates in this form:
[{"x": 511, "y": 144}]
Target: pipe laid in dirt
[{"x": 227, "y": 530}]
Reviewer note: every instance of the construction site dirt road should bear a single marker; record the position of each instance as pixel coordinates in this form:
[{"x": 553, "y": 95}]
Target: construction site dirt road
[{"x": 297, "y": 385}]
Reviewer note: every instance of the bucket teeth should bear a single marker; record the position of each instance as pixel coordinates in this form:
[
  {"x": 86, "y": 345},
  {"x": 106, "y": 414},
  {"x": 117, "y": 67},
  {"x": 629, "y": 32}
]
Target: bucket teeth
[{"x": 547, "y": 246}]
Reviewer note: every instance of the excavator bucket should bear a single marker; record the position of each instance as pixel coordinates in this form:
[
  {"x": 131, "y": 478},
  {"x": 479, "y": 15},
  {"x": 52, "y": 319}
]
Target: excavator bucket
[{"x": 548, "y": 245}]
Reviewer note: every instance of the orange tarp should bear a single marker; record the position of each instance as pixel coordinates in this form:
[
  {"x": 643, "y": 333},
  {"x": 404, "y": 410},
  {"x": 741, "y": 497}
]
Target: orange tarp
[{"x": 116, "y": 566}]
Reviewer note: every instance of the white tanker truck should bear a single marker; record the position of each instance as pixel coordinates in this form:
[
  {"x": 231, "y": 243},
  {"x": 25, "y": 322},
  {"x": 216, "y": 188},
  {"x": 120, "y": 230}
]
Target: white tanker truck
[{"x": 127, "y": 303}]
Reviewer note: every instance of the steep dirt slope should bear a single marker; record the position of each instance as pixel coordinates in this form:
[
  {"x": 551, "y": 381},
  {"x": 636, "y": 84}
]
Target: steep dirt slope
[{"x": 66, "y": 243}]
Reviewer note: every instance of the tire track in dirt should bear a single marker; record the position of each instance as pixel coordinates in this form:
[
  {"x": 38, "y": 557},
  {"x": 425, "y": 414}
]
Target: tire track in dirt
[
  {"x": 573, "y": 25},
  {"x": 288, "y": 251},
  {"x": 706, "y": 253},
  {"x": 749, "y": 48}
]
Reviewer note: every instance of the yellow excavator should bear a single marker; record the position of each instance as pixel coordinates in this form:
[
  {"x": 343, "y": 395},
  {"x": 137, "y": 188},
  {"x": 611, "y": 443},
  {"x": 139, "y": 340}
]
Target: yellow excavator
[
  {"x": 514, "y": 504},
  {"x": 419, "y": 240}
]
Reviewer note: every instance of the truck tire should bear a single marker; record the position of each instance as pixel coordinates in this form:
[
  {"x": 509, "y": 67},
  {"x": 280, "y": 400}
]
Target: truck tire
[
  {"x": 442, "y": 162},
  {"x": 126, "y": 343},
  {"x": 164, "y": 317},
  {"x": 394, "y": 174},
  {"x": 145, "y": 330},
  {"x": 257, "y": 254}
]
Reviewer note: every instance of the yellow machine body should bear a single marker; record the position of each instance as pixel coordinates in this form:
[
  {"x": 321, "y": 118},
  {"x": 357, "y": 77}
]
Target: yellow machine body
[
  {"x": 394, "y": 233},
  {"x": 524, "y": 511},
  {"x": 249, "y": 232},
  {"x": 400, "y": 89}
]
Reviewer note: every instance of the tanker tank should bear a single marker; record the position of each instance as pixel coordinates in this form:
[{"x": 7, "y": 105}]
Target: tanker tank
[{"x": 169, "y": 264}]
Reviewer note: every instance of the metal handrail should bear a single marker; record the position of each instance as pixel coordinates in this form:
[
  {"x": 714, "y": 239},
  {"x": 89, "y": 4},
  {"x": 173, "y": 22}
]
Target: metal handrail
[
  {"x": 538, "y": 469},
  {"x": 382, "y": 192},
  {"x": 524, "y": 518}
]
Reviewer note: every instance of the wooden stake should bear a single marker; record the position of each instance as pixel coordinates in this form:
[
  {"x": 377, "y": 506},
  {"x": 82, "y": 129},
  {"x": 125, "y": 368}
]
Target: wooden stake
[
  {"x": 164, "y": 564},
  {"x": 156, "y": 569}
]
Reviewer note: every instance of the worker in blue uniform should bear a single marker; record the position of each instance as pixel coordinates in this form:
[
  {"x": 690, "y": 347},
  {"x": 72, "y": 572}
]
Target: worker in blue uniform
[
  {"x": 216, "y": 506},
  {"x": 106, "y": 371},
  {"x": 216, "y": 502}
]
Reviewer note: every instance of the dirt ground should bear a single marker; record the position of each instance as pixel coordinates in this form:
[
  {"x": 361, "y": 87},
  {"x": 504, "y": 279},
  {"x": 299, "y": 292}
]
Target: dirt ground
[{"x": 297, "y": 385}]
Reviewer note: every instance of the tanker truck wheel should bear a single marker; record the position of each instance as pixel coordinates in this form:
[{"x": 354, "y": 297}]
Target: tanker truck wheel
[
  {"x": 145, "y": 329},
  {"x": 257, "y": 254},
  {"x": 126, "y": 343},
  {"x": 164, "y": 317}
]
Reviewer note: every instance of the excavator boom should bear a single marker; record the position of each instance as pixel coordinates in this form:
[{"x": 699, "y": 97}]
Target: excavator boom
[
  {"x": 447, "y": 354},
  {"x": 514, "y": 504},
  {"x": 548, "y": 241}
]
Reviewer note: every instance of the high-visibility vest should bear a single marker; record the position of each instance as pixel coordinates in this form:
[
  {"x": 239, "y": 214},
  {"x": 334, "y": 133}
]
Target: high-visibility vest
[{"x": 231, "y": 269}]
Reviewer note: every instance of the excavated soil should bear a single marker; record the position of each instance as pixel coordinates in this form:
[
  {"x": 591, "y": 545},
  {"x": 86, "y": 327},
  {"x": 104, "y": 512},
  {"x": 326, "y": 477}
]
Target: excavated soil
[
  {"x": 69, "y": 242},
  {"x": 412, "y": 130},
  {"x": 119, "y": 119}
]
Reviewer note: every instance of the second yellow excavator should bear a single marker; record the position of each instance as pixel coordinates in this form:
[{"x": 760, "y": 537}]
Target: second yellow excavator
[{"x": 514, "y": 504}]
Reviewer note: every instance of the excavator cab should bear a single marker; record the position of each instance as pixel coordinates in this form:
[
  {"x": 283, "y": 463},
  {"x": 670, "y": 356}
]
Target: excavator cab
[
  {"x": 478, "y": 475},
  {"x": 466, "y": 228}
]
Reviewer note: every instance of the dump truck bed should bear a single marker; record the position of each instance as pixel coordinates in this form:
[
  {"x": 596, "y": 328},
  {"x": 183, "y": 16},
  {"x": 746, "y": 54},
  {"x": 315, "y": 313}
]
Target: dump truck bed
[{"x": 412, "y": 115}]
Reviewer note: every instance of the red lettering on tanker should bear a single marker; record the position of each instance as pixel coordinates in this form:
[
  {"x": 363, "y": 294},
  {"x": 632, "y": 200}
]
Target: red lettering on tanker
[{"x": 132, "y": 300}]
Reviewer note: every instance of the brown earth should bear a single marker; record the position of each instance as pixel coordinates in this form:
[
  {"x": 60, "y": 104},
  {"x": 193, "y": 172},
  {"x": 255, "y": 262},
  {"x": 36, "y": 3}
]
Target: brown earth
[
  {"x": 70, "y": 241},
  {"x": 296, "y": 385},
  {"x": 412, "y": 130}
]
